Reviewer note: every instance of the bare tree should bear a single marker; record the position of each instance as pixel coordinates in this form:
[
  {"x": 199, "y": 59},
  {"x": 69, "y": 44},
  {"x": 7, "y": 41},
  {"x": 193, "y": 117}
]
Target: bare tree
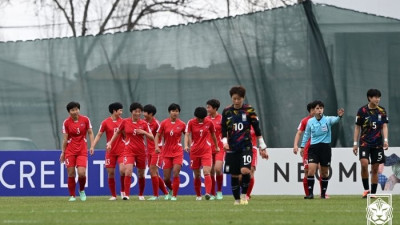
[{"x": 101, "y": 16}]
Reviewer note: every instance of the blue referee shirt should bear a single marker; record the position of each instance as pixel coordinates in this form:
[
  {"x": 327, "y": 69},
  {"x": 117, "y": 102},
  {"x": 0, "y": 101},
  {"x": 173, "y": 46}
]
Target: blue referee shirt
[{"x": 319, "y": 130}]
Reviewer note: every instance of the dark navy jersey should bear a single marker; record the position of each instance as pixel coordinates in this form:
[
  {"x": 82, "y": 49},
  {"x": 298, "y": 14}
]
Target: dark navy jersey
[
  {"x": 371, "y": 122},
  {"x": 236, "y": 124}
]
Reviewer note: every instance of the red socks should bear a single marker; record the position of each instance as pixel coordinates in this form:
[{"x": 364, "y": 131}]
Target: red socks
[
  {"x": 207, "y": 182},
  {"x": 197, "y": 186},
  {"x": 250, "y": 188},
  {"x": 127, "y": 184},
  {"x": 175, "y": 186},
  {"x": 212, "y": 185},
  {"x": 220, "y": 180},
  {"x": 155, "y": 184},
  {"x": 71, "y": 186},
  {"x": 122, "y": 179},
  {"x": 305, "y": 186},
  {"x": 161, "y": 185},
  {"x": 142, "y": 183},
  {"x": 82, "y": 182},
  {"x": 111, "y": 185}
]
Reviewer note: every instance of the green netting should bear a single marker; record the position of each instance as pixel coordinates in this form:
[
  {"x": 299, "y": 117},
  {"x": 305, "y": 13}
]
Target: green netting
[{"x": 285, "y": 57}]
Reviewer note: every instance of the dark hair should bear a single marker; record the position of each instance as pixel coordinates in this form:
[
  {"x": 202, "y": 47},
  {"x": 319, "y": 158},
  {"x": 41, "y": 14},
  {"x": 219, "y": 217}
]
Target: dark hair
[
  {"x": 214, "y": 103},
  {"x": 150, "y": 109},
  {"x": 373, "y": 93},
  {"x": 72, "y": 105},
  {"x": 115, "y": 107},
  {"x": 317, "y": 102},
  {"x": 310, "y": 106},
  {"x": 174, "y": 106},
  {"x": 135, "y": 106},
  {"x": 200, "y": 112},
  {"x": 239, "y": 90}
]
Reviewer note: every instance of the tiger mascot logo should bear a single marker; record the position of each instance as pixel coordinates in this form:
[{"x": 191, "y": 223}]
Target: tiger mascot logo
[{"x": 379, "y": 212}]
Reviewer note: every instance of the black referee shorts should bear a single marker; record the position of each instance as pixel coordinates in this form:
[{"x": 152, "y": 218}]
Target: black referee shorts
[{"x": 320, "y": 153}]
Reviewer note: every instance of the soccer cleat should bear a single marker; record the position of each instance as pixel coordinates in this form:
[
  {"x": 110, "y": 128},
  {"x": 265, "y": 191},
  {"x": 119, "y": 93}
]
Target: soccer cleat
[
  {"x": 208, "y": 196},
  {"x": 219, "y": 195},
  {"x": 212, "y": 198},
  {"x": 153, "y": 198},
  {"x": 198, "y": 198},
  {"x": 237, "y": 202},
  {"x": 243, "y": 200},
  {"x": 325, "y": 197},
  {"x": 141, "y": 198},
  {"x": 168, "y": 196},
  {"x": 72, "y": 199},
  {"x": 125, "y": 197},
  {"x": 248, "y": 197},
  {"x": 365, "y": 194},
  {"x": 82, "y": 196},
  {"x": 173, "y": 198},
  {"x": 112, "y": 198},
  {"x": 122, "y": 194},
  {"x": 309, "y": 196}
]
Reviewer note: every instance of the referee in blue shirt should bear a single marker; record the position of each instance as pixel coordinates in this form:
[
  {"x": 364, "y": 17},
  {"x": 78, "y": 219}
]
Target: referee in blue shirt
[{"x": 319, "y": 129}]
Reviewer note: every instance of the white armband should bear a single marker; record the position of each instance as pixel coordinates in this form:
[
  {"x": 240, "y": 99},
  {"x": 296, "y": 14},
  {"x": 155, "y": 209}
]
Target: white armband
[
  {"x": 261, "y": 143},
  {"x": 224, "y": 141}
]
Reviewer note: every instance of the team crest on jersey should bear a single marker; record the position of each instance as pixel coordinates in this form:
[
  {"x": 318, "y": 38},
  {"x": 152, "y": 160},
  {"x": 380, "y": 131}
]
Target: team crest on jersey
[
  {"x": 379, "y": 117},
  {"x": 244, "y": 117},
  {"x": 82, "y": 124}
]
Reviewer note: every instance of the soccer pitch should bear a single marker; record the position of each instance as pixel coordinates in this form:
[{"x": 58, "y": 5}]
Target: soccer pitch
[{"x": 261, "y": 210}]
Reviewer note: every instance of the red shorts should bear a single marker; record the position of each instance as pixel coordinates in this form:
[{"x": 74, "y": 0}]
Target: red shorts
[
  {"x": 154, "y": 160},
  {"x": 305, "y": 158},
  {"x": 218, "y": 156},
  {"x": 111, "y": 160},
  {"x": 254, "y": 160},
  {"x": 139, "y": 161},
  {"x": 76, "y": 161},
  {"x": 169, "y": 162},
  {"x": 201, "y": 161}
]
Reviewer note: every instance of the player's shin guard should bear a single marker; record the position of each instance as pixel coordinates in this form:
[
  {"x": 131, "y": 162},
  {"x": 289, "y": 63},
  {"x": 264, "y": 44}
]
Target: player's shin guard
[
  {"x": 154, "y": 182},
  {"x": 168, "y": 184},
  {"x": 127, "y": 183},
  {"x": 235, "y": 187},
  {"x": 220, "y": 180},
  {"x": 122, "y": 180},
  {"x": 373, "y": 188},
  {"x": 250, "y": 188},
  {"x": 305, "y": 186},
  {"x": 111, "y": 185},
  {"x": 175, "y": 186},
  {"x": 71, "y": 186},
  {"x": 324, "y": 185},
  {"x": 82, "y": 183},
  {"x": 161, "y": 185},
  {"x": 212, "y": 185},
  {"x": 142, "y": 183},
  {"x": 310, "y": 181},
  {"x": 208, "y": 183},
  {"x": 365, "y": 182},
  {"x": 197, "y": 186}
]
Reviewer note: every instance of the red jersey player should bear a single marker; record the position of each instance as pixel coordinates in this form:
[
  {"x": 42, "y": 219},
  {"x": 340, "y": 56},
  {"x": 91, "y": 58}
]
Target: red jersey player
[
  {"x": 154, "y": 160},
  {"x": 115, "y": 154},
  {"x": 171, "y": 130},
  {"x": 217, "y": 157},
  {"x": 200, "y": 128},
  {"x": 135, "y": 130},
  {"x": 74, "y": 148}
]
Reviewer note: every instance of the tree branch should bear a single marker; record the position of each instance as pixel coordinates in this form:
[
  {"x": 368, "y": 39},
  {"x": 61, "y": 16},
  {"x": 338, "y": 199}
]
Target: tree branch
[
  {"x": 71, "y": 24},
  {"x": 85, "y": 14},
  {"x": 103, "y": 25},
  {"x": 73, "y": 16}
]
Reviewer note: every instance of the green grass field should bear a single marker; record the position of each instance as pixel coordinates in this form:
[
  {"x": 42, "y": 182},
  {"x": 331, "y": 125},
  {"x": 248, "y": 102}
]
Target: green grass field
[{"x": 261, "y": 210}]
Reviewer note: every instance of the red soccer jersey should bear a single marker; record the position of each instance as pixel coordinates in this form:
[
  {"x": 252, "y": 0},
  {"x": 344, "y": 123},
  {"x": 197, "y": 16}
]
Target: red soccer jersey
[
  {"x": 76, "y": 130},
  {"x": 302, "y": 127},
  {"x": 253, "y": 137},
  {"x": 110, "y": 126},
  {"x": 200, "y": 131},
  {"x": 154, "y": 125},
  {"x": 134, "y": 143},
  {"x": 217, "y": 124},
  {"x": 172, "y": 133}
]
